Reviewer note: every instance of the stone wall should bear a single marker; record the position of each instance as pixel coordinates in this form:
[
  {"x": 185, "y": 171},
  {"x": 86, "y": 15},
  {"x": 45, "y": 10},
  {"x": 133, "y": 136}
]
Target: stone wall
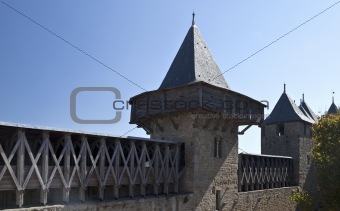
[
  {"x": 161, "y": 203},
  {"x": 264, "y": 200},
  {"x": 206, "y": 171},
  {"x": 297, "y": 143}
]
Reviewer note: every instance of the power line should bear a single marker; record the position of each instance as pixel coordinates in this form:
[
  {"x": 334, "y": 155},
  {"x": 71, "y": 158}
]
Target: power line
[
  {"x": 284, "y": 35},
  {"x": 71, "y": 44}
]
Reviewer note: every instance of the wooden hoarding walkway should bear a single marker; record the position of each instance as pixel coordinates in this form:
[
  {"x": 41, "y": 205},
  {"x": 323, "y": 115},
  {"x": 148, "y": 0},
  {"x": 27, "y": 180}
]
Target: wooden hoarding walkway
[{"x": 81, "y": 164}]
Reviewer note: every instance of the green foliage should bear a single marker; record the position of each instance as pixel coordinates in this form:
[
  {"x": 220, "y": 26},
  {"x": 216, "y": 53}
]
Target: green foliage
[
  {"x": 302, "y": 198},
  {"x": 326, "y": 156}
]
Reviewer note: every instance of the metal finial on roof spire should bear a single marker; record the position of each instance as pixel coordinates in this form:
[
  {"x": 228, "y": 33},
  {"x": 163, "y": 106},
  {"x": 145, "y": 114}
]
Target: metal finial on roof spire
[
  {"x": 333, "y": 98},
  {"x": 303, "y": 97},
  {"x": 284, "y": 87},
  {"x": 193, "y": 18}
]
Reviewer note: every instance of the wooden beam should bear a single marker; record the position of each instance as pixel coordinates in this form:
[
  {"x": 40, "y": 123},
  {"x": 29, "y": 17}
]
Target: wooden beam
[
  {"x": 244, "y": 130},
  {"x": 117, "y": 169},
  {"x": 8, "y": 161},
  {"x": 83, "y": 169},
  {"x": 57, "y": 165},
  {"x": 20, "y": 168},
  {"x": 67, "y": 168},
  {"x": 132, "y": 168},
  {"x": 49, "y": 161},
  {"x": 34, "y": 166},
  {"x": 142, "y": 166},
  {"x": 156, "y": 170},
  {"x": 176, "y": 179},
  {"x": 166, "y": 169},
  {"x": 44, "y": 168},
  {"x": 102, "y": 168}
]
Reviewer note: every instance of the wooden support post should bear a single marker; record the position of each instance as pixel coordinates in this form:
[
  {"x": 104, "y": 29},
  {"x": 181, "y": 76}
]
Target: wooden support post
[
  {"x": 166, "y": 169},
  {"x": 177, "y": 154},
  {"x": 132, "y": 168},
  {"x": 143, "y": 172},
  {"x": 240, "y": 172},
  {"x": 262, "y": 173},
  {"x": 117, "y": 169},
  {"x": 102, "y": 168},
  {"x": 156, "y": 170},
  {"x": 67, "y": 168},
  {"x": 44, "y": 168},
  {"x": 246, "y": 173},
  {"x": 83, "y": 169},
  {"x": 251, "y": 173},
  {"x": 20, "y": 168}
]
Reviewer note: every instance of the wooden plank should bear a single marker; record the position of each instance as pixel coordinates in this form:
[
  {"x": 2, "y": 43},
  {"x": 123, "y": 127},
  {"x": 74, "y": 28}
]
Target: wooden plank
[
  {"x": 132, "y": 168},
  {"x": 166, "y": 169},
  {"x": 156, "y": 170},
  {"x": 57, "y": 165},
  {"x": 76, "y": 168},
  {"x": 67, "y": 168},
  {"x": 176, "y": 168},
  {"x": 151, "y": 165},
  {"x": 44, "y": 168},
  {"x": 125, "y": 168},
  {"x": 116, "y": 155},
  {"x": 20, "y": 168},
  {"x": 34, "y": 166},
  {"x": 93, "y": 165},
  {"x": 102, "y": 168},
  {"x": 17, "y": 143},
  {"x": 83, "y": 170},
  {"x": 112, "y": 164},
  {"x": 142, "y": 169},
  {"x": 8, "y": 165}
]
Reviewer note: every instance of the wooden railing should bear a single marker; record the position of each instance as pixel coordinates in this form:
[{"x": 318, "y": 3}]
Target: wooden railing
[
  {"x": 258, "y": 172},
  {"x": 50, "y": 161}
]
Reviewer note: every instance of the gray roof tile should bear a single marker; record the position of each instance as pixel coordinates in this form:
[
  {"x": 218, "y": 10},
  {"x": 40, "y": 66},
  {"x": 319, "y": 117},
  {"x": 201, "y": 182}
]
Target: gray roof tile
[
  {"x": 332, "y": 109},
  {"x": 286, "y": 110},
  {"x": 308, "y": 111},
  {"x": 193, "y": 63}
]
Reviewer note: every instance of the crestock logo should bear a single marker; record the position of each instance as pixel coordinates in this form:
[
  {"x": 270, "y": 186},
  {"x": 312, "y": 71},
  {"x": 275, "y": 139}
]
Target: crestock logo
[
  {"x": 73, "y": 105},
  {"x": 226, "y": 105},
  {"x": 227, "y": 109}
]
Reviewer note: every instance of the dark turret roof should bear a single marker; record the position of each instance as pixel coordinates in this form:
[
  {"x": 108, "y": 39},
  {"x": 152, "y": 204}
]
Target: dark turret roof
[
  {"x": 307, "y": 110},
  {"x": 332, "y": 109},
  {"x": 193, "y": 63},
  {"x": 286, "y": 110}
]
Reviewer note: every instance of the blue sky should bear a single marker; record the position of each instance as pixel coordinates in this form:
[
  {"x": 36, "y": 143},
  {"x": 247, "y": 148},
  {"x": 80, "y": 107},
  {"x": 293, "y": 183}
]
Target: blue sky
[{"x": 139, "y": 40}]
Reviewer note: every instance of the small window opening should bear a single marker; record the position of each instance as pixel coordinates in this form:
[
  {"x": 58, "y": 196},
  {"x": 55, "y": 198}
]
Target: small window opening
[
  {"x": 217, "y": 147},
  {"x": 218, "y": 200},
  {"x": 280, "y": 130}
]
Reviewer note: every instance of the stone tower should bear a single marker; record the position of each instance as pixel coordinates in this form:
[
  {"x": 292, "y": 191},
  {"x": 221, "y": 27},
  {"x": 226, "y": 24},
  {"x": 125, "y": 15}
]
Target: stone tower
[
  {"x": 287, "y": 132},
  {"x": 195, "y": 105}
]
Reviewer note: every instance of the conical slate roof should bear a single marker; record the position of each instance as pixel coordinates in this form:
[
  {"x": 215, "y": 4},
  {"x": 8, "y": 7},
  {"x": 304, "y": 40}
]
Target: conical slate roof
[
  {"x": 193, "y": 63},
  {"x": 332, "y": 109},
  {"x": 286, "y": 110},
  {"x": 307, "y": 110}
]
